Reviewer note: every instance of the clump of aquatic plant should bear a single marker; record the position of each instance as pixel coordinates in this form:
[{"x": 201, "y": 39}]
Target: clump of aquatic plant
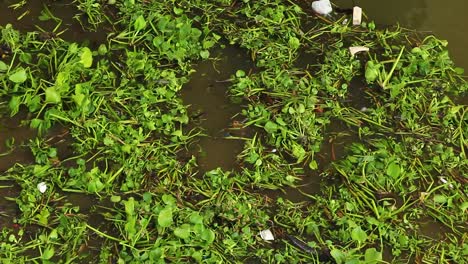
[
  {"x": 287, "y": 108},
  {"x": 271, "y": 31},
  {"x": 123, "y": 129}
]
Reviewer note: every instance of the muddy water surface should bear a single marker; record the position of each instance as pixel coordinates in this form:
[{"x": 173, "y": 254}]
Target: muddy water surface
[
  {"x": 13, "y": 136},
  {"x": 209, "y": 104},
  {"x": 27, "y": 18}
]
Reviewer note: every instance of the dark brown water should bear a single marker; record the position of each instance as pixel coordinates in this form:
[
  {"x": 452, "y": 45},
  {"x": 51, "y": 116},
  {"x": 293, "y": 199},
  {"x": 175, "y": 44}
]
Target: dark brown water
[
  {"x": 206, "y": 95},
  {"x": 27, "y": 18},
  {"x": 13, "y": 136}
]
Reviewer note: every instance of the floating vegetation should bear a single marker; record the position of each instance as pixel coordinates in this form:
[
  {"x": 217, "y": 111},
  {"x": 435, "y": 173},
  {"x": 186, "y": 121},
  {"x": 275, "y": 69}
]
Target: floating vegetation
[{"x": 113, "y": 176}]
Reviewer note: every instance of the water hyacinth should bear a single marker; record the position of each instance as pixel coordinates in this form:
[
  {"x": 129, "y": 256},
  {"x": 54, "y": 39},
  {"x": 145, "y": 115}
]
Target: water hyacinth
[{"x": 227, "y": 132}]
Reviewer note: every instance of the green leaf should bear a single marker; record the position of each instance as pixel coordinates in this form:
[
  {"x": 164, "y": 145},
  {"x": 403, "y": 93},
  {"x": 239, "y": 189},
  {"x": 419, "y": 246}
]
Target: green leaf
[
  {"x": 52, "y": 96},
  {"x": 198, "y": 256},
  {"x": 95, "y": 185},
  {"x": 165, "y": 217},
  {"x": 14, "y": 104},
  {"x": 62, "y": 78},
  {"x": 358, "y": 235},
  {"x": 208, "y": 44},
  {"x": 35, "y": 123},
  {"x": 393, "y": 170},
  {"x": 34, "y": 103},
  {"x": 372, "y": 256},
  {"x": 182, "y": 231},
  {"x": 3, "y": 66},
  {"x": 127, "y": 148},
  {"x": 86, "y": 57},
  {"x": 294, "y": 42},
  {"x": 208, "y": 235},
  {"x": 19, "y": 76},
  {"x": 240, "y": 73},
  {"x": 338, "y": 255},
  {"x": 177, "y": 10},
  {"x": 372, "y": 71},
  {"x": 301, "y": 109},
  {"x": 48, "y": 253},
  {"x": 313, "y": 165},
  {"x": 158, "y": 41},
  {"x": 271, "y": 127},
  {"x": 53, "y": 234},
  {"x": 26, "y": 58},
  {"x": 440, "y": 198},
  {"x": 196, "y": 218},
  {"x": 115, "y": 198},
  {"x": 252, "y": 157},
  {"x": 79, "y": 99},
  {"x": 102, "y": 50},
  {"x": 147, "y": 196},
  {"x": 204, "y": 54},
  {"x": 168, "y": 199},
  {"x": 459, "y": 70},
  {"x": 43, "y": 217},
  {"x": 464, "y": 206},
  {"x": 108, "y": 141},
  {"x": 130, "y": 206},
  {"x": 280, "y": 121},
  {"x": 140, "y": 23},
  {"x": 298, "y": 152},
  {"x": 178, "y": 133}
]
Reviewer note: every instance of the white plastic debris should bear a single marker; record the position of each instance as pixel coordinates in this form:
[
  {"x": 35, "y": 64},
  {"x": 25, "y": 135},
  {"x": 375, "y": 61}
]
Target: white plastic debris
[
  {"x": 267, "y": 235},
  {"x": 322, "y": 7},
  {"x": 444, "y": 181},
  {"x": 357, "y": 15},
  {"x": 42, "y": 187},
  {"x": 356, "y": 49}
]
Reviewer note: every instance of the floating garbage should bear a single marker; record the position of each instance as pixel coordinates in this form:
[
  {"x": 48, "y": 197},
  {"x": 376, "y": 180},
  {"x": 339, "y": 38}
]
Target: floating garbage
[
  {"x": 356, "y": 49},
  {"x": 267, "y": 235},
  {"x": 357, "y": 15},
  {"x": 322, "y": 7},
  {"x": 301, "y": 244},
  {"x": 444, "y": 181},
  {"x": 42, "y": 187}
]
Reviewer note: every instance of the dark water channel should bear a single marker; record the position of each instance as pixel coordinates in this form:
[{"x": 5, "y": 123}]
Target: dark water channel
[{"x": 211, "y": 109}]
